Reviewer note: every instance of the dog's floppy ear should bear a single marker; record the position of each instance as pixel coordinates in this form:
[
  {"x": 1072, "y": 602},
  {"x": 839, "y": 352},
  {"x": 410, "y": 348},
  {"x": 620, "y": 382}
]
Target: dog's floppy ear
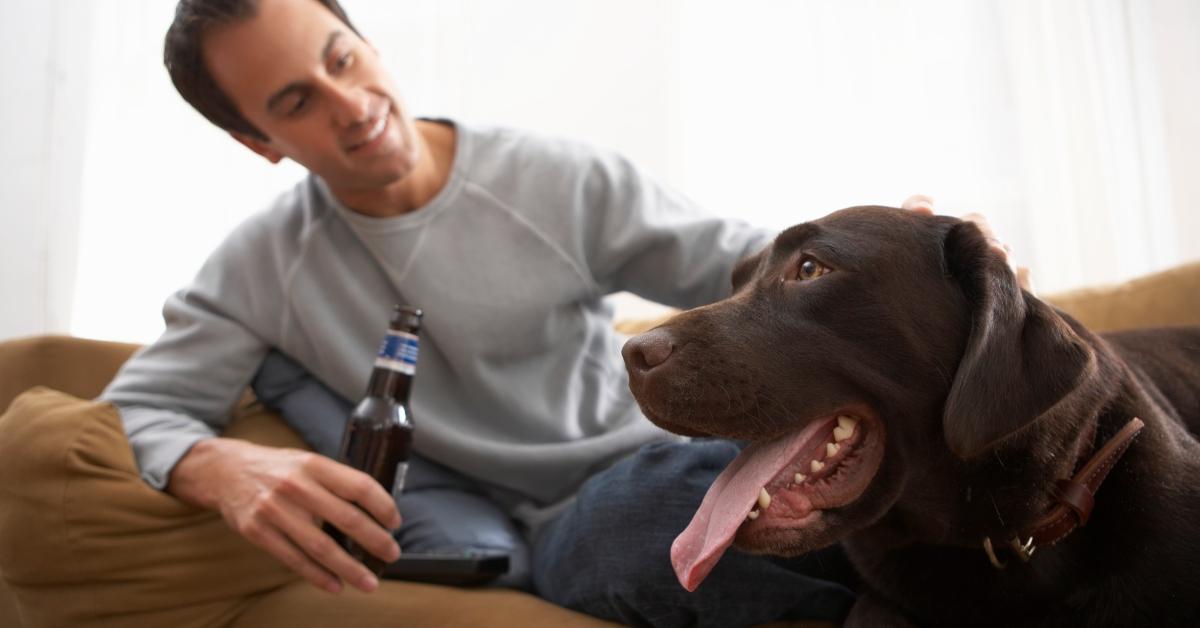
[{"x": 1020, "y": 359}]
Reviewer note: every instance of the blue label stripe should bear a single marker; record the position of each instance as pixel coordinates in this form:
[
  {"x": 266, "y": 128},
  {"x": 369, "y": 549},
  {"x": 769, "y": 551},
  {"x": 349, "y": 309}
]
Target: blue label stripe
[{"x": 398, "y": 352}]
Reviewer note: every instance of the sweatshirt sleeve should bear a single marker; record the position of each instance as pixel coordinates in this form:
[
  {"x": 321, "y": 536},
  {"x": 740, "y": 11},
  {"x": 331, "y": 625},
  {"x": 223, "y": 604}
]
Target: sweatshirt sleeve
[
  {"x": 182, "y": 388},
  {"x": 656, "y": 243}
]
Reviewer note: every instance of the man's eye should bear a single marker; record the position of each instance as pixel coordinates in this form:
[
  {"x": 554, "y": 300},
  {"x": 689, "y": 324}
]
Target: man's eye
[
  {"x": 810, "y": 269},
  {"x": 344, "y": 61},
  {"x": 297, "y": 107}
]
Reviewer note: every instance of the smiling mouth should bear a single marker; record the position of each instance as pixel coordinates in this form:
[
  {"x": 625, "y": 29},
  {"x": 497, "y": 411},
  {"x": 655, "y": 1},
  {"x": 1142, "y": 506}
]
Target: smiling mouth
[
  {"x": 373, "y": 133},
  {"x": 780, "y": 486}
]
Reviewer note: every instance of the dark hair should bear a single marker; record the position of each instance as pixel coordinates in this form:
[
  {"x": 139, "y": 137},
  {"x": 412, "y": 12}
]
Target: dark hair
[{"x": 185, "y": 63}]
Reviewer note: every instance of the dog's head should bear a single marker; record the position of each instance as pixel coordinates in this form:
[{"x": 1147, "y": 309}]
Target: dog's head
[{"x": 856, "y": 351}]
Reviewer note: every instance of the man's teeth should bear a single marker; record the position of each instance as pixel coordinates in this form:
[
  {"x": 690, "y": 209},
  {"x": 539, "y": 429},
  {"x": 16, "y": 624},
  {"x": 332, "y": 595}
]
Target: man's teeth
[
  {"x": 375, "y": 131},
  {"x": 843, "y": 431}
]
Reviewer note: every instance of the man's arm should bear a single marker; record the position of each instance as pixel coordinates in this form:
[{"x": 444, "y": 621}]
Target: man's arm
[
  {"x": 656, "y": 243},
  {"x": 176, "y": 395}
]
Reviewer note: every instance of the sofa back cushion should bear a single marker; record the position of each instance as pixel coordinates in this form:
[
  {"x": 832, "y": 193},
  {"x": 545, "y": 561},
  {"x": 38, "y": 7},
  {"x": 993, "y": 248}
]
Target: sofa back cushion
[{"x": 76, "y": 366}]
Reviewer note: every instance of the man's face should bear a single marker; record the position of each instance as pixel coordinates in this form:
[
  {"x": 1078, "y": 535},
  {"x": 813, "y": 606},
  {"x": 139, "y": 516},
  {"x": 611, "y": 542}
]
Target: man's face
[{"x": 318, "y": 91}]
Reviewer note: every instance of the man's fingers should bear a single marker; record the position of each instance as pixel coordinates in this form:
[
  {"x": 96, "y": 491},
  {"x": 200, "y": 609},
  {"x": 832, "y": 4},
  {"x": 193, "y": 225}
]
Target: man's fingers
[
  {"x": 919, "y": 203},
  {"x": 983, "y": 225},
  {"x": 271, "y": 539},
  {"x": 357, "y": 487},
  {"x": 986, "y": 228},
  {"x": 1025, "y": 279},
  {"x": 924, "y": 205},
  {"x": 348, "y": 518},
  {"x": 320, "y": 548}
]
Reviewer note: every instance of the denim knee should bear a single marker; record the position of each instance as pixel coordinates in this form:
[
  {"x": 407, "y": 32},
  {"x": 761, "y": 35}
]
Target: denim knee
[{"x": 609, "y": 554}]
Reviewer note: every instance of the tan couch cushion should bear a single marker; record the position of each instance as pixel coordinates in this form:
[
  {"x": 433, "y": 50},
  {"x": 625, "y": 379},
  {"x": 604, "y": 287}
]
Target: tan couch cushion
[{"x": 1170, "y": 297}]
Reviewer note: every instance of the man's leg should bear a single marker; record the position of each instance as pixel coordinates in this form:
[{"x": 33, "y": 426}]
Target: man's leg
[
  {"x": 443, "y": 511},
  {"x": 608, "y": 555},
  {"x": 85, "y": 542}
]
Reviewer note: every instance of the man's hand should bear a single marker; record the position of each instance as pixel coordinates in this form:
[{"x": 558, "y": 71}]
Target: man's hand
[
  {"x": 274, "y": 497},
  {"x": 924, "y": 205}
]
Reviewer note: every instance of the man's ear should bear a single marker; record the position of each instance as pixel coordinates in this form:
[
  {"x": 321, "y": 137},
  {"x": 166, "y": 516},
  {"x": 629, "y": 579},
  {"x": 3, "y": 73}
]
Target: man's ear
[
  {"x": 1021, "y": 357},
  {"x": 258, "y": 146}
]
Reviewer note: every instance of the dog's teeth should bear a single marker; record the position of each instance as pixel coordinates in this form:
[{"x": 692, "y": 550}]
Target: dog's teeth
[
  {"x": 752, "y": 515},
  {"x": 764, "y": 499},
  {"x": 817, "y": 465},
  {"x": 800, "y": 478},
  {"x": 830, "y": 450},
  {"x": 845, "y": 427}
]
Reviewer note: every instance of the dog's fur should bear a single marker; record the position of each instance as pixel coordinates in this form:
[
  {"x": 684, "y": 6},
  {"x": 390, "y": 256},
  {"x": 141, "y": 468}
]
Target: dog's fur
[{"x": 985, "y": 394}]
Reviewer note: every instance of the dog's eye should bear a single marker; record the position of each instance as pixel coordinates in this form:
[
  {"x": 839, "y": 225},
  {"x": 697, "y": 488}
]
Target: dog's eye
[{"x": 810, "y": 269}]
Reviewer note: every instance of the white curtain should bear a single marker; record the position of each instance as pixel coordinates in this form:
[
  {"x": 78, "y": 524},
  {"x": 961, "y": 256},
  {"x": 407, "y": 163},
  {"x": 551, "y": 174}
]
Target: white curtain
[
  {"x": 1087, "y": 98},
  {"x": 1072, "y": 124}
]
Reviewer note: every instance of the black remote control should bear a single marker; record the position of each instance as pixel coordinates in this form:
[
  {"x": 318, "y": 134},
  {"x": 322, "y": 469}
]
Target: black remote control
[{"x": 460, "y": 569}]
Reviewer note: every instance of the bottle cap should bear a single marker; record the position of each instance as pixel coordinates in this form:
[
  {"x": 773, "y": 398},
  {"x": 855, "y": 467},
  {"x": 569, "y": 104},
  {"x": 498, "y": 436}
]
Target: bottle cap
[{"x": 407, "y": 317}]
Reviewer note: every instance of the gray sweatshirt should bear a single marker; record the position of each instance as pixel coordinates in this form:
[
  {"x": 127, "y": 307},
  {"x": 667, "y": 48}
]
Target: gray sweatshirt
[{"x": 519, "y": 382}]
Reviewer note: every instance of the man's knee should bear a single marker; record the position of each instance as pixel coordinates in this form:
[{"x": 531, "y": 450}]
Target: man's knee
[
  {"x": 654, "y": 492},
  {"x": 612, "y": 546},
  {"x": 78, "y": 520}
]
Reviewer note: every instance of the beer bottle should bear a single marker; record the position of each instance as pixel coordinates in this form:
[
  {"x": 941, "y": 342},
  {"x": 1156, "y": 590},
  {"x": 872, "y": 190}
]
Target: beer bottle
[{"x": 379, "y": 432}]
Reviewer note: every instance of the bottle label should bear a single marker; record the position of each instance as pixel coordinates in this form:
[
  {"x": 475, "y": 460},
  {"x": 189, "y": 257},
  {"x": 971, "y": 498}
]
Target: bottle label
[
  {"x": 398, "y": 485},
  {"x": 398, "y": 352}
]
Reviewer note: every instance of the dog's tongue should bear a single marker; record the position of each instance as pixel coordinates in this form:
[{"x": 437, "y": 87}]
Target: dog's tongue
[{"x": 730, "y": 498}]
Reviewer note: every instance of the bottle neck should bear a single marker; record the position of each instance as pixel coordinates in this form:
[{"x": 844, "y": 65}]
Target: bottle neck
[
  {"x": 396, "y": 364},
  {"x": 390, "y": 384}
]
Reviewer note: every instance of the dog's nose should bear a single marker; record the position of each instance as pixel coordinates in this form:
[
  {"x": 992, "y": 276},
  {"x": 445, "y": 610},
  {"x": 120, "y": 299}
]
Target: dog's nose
[{"x": 647, "y": 351}]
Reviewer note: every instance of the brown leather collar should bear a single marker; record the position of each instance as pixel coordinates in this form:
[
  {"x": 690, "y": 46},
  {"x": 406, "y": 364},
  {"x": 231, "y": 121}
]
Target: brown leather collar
[{"x": 1074, "y": 499}]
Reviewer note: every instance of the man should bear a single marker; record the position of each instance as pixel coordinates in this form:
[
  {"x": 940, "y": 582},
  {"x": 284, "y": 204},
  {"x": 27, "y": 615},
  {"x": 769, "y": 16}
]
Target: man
[{"x": 508, "y": 242}]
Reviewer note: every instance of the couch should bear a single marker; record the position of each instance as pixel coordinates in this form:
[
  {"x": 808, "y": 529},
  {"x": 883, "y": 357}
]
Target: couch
[{"x": 69, "y": 493}]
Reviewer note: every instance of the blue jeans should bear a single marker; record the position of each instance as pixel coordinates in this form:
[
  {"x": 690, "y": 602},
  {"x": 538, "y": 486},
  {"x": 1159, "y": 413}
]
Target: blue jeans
[{"x": 608, "y": 555}]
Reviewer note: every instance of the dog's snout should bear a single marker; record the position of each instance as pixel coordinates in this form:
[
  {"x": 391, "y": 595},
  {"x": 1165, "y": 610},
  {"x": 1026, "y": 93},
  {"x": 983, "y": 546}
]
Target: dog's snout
[{"x": 648, "y": 350}]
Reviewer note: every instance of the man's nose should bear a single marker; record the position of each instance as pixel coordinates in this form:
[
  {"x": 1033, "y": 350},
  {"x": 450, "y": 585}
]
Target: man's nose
[
  {"x": 351, "y": 105},
  {"x": 645, "y": 352}
]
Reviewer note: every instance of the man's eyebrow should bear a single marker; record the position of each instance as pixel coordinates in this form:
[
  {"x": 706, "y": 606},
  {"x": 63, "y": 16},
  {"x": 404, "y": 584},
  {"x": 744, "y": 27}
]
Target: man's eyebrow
[
  {"x": 333, "y": 37},
  {"x": 295, "y": 86}
]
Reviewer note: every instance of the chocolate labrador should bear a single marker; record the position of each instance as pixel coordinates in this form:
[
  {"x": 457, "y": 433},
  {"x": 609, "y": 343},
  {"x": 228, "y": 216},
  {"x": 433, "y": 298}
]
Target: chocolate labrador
[{"x": 984, "y": 458}]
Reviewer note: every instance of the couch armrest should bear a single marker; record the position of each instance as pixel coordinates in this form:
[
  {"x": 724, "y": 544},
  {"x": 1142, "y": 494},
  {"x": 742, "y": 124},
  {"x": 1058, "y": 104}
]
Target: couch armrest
[{"x": 77, "y": 366}]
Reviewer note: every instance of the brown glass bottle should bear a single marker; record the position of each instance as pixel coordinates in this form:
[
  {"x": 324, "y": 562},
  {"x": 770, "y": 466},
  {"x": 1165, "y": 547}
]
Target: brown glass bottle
[{"x": 379, "y": 432}]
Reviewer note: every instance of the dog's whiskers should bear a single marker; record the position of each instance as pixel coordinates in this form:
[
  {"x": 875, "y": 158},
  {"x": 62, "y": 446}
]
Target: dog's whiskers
[{"x": 995, "y": 507}]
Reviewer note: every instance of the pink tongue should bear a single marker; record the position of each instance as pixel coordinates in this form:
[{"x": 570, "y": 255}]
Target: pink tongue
[{"x": 730, "y": 498}]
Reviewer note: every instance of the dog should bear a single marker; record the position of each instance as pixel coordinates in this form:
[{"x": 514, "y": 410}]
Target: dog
[{"x": 984, "y": 459}]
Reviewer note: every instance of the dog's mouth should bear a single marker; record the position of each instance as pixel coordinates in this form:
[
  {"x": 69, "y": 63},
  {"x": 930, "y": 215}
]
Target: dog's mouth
[{"x": 775, "y": 494}]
